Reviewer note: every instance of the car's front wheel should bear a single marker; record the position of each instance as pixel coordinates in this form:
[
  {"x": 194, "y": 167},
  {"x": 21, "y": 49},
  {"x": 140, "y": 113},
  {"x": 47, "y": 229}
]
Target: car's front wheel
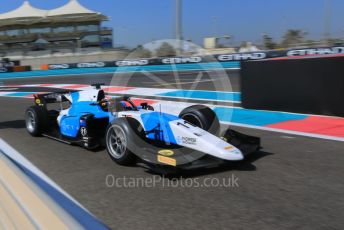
[{"x": 121, "y": 140}]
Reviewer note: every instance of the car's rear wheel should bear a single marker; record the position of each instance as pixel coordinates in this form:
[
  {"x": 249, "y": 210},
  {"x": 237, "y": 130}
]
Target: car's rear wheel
[
  {"x": 203, "y": 117},
  {"x": 36, "y": 120},
  {"x": 121, "y": 140}
]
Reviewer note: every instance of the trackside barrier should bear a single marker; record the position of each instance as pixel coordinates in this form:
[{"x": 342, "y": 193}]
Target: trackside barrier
[
  {"x": 308, "y": 85},
  {"x": 235, "y": 57},
  {"x": 30, "y": 200}
]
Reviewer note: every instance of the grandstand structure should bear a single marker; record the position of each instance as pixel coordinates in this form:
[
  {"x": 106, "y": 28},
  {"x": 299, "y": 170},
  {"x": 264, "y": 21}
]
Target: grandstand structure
[{"x": 29, "y": 31}]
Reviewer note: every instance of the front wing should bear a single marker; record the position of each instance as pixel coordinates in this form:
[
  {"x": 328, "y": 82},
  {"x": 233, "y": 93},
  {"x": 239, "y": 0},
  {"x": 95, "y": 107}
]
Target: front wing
[{"x": 185, "y": 158}]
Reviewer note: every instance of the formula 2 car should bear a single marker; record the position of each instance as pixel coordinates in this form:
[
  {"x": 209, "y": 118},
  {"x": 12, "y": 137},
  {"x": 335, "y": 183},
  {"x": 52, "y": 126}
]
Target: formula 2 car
[{"x": 136, "y": 133}]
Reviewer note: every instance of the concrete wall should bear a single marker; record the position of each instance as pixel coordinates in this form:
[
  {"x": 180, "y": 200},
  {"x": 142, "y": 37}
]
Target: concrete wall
[{"x": 36, "y": 62}]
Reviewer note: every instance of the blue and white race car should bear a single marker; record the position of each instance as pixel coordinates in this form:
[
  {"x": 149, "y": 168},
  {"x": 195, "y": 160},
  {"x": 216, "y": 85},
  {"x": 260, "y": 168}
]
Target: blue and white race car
[{"x": 136, "y": 133}]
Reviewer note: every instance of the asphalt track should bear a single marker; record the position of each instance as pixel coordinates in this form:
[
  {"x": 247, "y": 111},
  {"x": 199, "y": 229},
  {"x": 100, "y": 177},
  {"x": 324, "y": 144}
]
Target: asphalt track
[{"x": 294, "y": 183}]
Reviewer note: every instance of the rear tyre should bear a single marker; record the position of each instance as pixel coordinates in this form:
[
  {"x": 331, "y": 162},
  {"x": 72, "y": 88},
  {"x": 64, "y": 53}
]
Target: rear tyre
[
  {"x": 203, "y": 117},
  {"x": 122, "y": 137},
  {"x": 36, "y": 120}
]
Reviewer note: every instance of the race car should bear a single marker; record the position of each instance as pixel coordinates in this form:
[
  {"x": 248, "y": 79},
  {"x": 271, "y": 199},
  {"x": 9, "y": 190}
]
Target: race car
[{"x": 135, "y": 133}]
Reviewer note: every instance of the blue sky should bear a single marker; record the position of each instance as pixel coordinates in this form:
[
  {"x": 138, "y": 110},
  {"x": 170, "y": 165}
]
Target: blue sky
[{"x": 141, "y": 21}]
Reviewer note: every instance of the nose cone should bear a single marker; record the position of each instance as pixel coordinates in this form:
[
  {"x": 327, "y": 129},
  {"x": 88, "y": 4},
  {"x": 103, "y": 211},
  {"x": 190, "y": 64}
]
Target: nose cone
[{"x": 231, "y": 153}]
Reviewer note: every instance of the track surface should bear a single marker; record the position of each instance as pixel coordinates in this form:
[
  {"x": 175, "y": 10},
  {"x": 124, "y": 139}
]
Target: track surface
[{"x": 296, "y": 183}]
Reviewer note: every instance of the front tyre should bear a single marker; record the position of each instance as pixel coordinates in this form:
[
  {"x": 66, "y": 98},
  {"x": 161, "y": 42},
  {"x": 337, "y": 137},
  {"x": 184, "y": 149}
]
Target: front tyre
[
  {"x": 202, "y": 117},
  {"x": 36, "y": 120},
  {"x": 120, "y": 140}
]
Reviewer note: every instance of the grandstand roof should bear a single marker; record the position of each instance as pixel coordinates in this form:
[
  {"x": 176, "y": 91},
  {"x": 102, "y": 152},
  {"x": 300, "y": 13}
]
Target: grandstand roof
[
  {"x": 73, "y": 7},
  {"x": 24, "y": 11},
  {"x": 28, "y": 14}
]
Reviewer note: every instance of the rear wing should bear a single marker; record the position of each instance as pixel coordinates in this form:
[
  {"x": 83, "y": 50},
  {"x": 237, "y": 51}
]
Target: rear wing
[{"x": 50, "y": 98}]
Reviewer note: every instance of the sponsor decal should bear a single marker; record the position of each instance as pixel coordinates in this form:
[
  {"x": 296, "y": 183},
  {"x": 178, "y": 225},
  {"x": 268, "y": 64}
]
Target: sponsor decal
[
  {"x": 83, "y": 131},
  {"x": 187, "y": 140},
  {"x": 199, "y": 134},
  {"x": 125, "y": 115},
  {"x": 91, "y": 65},
  {"x": 132, "y": 62},
  {"x": 166, "y": 152},
  {"x": 59, "y": 66},
  {"x": 181, "y": 60},
  {"x": 316, "y": 51},
  {"x": 167, "y": 160},
  {"x": 241, "y": 56},
  {"x": 229, "y": 147}
]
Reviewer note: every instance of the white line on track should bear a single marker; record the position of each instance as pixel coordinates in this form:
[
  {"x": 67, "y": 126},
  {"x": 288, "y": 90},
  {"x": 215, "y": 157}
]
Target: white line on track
[
  {"x": 185, "y": 83},
  {"x": 113, "y": 72},
  {"x": 285, "y": 131}
]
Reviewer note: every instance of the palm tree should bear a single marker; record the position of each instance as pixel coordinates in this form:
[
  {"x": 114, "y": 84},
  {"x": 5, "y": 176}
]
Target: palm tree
[
  {"x": 293, "y": 38},
  {"x": 268, "y": 42},
  {"x": 166, "y": 50}
]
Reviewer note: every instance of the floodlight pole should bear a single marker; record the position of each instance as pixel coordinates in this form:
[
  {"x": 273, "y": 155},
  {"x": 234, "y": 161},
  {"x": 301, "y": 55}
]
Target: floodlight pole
[
  {"x": 327, "y": 23},
  {"x": 179, "y": 32}
]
